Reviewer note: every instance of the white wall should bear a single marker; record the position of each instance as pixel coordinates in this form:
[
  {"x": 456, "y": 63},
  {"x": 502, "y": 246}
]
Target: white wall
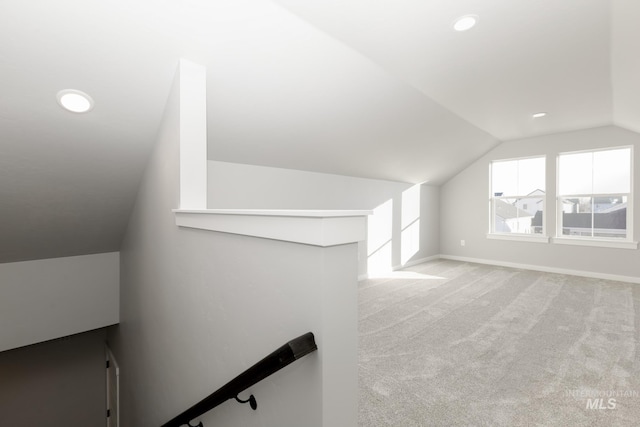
[
  {"x": 430, "y": 218},
  {"x": 625, "y": 64},
  {"x": 199, "y": 307},
  {"x": 465, "y": 209},
  {"x": 232, "y": 185},
  {"x": 51, "y": 298}
]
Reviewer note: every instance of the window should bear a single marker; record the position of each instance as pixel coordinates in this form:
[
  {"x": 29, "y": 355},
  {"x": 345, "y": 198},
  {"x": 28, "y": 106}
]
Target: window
[
  {"x": 594, "y": 193},
  {"x": 518, "y": 196}
]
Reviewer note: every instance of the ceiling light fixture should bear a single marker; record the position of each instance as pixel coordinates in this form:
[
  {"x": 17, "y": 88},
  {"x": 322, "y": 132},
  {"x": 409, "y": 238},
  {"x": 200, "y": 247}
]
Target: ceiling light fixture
[
  {"x": 75, "y": 101},
  {"x": 465, "y": 22},
  {"x": 538, "y": 115}
]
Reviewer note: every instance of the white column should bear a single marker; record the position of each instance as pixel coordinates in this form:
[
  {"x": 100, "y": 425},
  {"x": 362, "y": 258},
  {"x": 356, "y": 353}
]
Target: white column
[{"x": 193, "y": 135}]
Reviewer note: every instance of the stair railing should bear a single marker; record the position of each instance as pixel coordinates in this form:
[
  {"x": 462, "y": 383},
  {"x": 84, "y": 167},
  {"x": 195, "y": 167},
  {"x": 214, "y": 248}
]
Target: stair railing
[{"x": 283, "y": 356}]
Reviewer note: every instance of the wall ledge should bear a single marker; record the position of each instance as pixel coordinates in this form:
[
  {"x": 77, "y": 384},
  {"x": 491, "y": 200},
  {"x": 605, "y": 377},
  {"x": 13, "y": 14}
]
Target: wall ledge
[{"x": 310, "y": 227}]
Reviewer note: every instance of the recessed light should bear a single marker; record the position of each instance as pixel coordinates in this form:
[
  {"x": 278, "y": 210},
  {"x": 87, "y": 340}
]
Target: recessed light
[
  {"x": 465, "y": 22},
  {"x": 75, "y": 101},
  {"x": 538, "y": 115}
]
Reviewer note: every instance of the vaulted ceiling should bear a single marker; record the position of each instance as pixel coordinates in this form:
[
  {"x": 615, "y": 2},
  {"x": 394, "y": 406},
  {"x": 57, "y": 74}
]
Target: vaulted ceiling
[{"x": 381, "y": 89}]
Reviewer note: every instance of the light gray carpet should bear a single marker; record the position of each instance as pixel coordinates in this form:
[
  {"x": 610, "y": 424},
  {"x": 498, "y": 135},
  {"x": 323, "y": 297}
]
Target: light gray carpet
[{"x": 457, "y": 344}]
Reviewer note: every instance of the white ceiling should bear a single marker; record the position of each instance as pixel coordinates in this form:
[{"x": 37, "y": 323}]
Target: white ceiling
[
  {"x": 379, "y": 89},
  {"x": 522, "y": 57}
]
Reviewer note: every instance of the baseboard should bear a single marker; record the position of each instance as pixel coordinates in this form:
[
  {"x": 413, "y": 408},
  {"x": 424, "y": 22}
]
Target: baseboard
[{"x": 580, "y": 273}]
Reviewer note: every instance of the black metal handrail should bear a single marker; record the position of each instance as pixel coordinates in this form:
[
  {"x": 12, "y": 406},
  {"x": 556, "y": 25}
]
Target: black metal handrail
[{"x": 283, "y": 356}]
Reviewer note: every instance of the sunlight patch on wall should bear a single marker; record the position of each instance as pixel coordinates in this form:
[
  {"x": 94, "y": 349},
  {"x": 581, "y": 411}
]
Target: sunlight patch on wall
[
  {"x": 380, "y": 263},
  {"x": 410, "y": 242},
  {"x": 379, "y": 239},
  {"x": 410, "y": 223}
]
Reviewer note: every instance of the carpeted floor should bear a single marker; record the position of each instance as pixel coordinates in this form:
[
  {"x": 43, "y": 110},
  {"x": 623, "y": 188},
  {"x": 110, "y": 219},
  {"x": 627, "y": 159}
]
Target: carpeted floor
[{"x": 448, "y": 343}]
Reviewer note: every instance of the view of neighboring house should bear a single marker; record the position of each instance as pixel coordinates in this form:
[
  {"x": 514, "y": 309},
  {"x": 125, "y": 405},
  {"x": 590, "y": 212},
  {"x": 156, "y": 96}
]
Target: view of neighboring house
[
  {"x": 516, "y": 215},
  {"x": 602, "y": 217},
  {"x": 582, "y": 216},
  {"x": 511, "y": 219},
  {"x": 531, "y": 204}
]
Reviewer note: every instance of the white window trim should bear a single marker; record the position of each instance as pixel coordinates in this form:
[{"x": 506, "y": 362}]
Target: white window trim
[
  {"x": 594, "y": 241},
  {"x": 536, "y": 238},
  {"x": 626, "y": 243}
]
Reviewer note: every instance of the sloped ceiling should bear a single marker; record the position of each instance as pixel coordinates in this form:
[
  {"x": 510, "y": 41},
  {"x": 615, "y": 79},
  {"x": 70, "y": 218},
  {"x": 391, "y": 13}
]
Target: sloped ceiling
[
  {"x": 521, "y": 58},
  {"x": 373, "y": 89}
]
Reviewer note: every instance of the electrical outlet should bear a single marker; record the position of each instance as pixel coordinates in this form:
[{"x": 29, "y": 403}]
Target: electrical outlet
[{"x": 462, "y": 243}]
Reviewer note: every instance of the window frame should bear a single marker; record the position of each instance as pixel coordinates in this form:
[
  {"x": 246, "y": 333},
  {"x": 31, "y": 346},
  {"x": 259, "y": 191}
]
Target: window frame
[
  {"x": 627, "y": 242},
  {"x": 530, "y": 237}
]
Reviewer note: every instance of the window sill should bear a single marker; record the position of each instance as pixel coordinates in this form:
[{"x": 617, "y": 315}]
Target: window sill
[
  {"x": 519, "y": 237},
  {"x": 603, "y": 243}
]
